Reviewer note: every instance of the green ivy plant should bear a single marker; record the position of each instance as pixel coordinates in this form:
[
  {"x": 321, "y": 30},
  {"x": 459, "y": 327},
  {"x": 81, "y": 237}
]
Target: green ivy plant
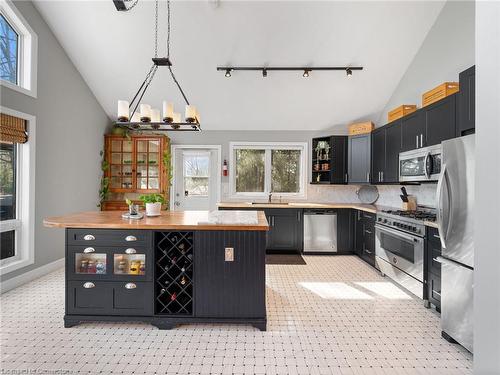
[
  {"x": 167, "y": 165},
  {"x": 104, "y": 186},
  {"x": 152, "y": 198}
]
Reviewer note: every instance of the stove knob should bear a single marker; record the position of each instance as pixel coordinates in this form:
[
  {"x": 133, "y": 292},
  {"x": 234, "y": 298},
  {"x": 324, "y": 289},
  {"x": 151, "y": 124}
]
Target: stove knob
[
  {"x": 385, "y": 220},
  {"x": 379, "y": 219},
  {"x": 414, "y": 229}
]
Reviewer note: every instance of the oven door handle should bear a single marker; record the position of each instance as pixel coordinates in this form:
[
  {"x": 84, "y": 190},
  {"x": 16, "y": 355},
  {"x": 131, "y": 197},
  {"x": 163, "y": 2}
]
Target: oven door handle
[
  {"x": 428, "y": 165},
  {"x": 400, "y": 234}
]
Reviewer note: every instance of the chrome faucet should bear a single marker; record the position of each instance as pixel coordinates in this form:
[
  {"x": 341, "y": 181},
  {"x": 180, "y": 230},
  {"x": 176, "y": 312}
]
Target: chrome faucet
[{"x": 270, "y": 197}]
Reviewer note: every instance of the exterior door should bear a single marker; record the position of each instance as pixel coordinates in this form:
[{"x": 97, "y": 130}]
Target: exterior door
[{"x": 195, "y": 179}]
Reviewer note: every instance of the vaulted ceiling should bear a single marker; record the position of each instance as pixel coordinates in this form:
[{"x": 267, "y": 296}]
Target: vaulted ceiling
[{"x": 113, "y": 50}]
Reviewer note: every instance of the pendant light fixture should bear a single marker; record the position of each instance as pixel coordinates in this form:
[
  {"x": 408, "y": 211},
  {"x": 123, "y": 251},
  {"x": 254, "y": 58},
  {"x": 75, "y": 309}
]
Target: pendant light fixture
[{"x": 151, "y": 119}]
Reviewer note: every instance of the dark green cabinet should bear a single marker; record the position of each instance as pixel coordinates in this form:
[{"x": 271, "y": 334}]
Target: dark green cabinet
[
  {"x": 466, "y": 102},
  {"x": 413, "y": 130},
  {"x": 359, "y": 159},
  {"x": 286, "y": 230}
]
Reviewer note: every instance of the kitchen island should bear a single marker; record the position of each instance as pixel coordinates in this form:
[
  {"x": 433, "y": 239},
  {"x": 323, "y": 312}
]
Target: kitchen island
[{"x": 178, "y": 268}]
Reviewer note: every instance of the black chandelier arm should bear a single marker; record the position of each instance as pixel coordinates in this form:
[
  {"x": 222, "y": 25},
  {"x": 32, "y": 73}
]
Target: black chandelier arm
[
  {"x": 178, "y": 85},
  {"x": 144, "y": 88},
  {"x": 140, "y": 88}
]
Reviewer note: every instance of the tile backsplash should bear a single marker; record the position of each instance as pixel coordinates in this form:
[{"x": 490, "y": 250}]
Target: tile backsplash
[{"x": 388, "y": 194}]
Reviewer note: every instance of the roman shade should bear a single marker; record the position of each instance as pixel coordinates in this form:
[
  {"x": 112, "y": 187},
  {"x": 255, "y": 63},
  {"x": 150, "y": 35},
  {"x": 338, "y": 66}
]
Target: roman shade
[{"x": 13, "y": 129}]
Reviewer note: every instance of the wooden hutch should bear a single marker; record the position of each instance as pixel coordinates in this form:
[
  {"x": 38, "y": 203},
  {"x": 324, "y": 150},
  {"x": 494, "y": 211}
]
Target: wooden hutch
[{"x": 135, "y": 166}]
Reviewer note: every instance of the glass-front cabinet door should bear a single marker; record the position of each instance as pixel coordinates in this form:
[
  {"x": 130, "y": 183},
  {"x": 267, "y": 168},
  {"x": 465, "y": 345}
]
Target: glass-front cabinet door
[
  {"x": 121, "y": 164},
  {"x": 109, "y": 263},
  {"x": 148, "y": 165}
]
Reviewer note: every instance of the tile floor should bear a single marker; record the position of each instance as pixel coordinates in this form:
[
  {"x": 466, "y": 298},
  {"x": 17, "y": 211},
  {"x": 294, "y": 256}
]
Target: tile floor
[{"x": 335, "y": 315}]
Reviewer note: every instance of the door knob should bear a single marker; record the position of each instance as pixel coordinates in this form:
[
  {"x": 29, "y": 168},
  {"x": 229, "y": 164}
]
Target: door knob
[{"x": 177, "y": 203}]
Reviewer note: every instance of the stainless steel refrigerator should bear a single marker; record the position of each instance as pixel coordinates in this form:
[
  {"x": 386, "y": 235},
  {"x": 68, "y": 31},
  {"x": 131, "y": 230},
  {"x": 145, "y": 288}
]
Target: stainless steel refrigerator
[{"x": 455, "y": 208}]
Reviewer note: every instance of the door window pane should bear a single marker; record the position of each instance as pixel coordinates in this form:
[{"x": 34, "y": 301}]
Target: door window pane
[
  {"x": 7, "y": 181},
  {"x": 196, "y": 173},
  {"x": 250, "y": 165},
  {"x": 285, "y": 171},
  {"x": 9, "y": 51}
]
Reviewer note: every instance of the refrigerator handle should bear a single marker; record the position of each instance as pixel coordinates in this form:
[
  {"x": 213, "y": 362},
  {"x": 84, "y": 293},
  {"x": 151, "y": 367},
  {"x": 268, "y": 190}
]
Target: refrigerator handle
[{"x": 443, "y": 218}]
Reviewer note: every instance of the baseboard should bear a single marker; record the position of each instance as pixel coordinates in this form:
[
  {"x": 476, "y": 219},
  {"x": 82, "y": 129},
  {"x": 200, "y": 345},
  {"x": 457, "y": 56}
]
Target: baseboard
[{"x": 24, "y": 278}]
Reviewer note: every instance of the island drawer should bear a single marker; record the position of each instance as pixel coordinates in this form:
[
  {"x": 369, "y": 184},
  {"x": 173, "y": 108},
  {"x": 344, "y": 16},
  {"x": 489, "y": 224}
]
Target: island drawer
[
  {"x": 119, "y": 263},
  {"x": 109, "y": 237},
  {"x": 110, "y": 298}
]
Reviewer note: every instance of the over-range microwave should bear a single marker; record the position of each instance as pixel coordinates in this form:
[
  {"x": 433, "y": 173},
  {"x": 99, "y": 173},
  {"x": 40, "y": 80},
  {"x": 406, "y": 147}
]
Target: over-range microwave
[{"x": 420, "y": 165}]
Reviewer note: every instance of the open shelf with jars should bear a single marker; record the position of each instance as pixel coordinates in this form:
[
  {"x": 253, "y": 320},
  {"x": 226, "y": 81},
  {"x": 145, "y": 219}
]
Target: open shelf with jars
[
  {"x": 329, "y": 160},
  {"x": 174, "y": 273}
]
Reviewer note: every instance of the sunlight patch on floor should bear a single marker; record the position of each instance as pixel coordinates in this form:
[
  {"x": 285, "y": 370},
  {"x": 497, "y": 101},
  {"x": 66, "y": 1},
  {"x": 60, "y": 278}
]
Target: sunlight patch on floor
[
  {"x": 335, "y": 290},
  {"x": 384, "y": 289}
]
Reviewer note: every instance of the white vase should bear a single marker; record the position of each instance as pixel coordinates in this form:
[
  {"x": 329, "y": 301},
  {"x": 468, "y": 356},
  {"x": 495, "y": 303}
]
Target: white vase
[{"x": 153, "y": 209}]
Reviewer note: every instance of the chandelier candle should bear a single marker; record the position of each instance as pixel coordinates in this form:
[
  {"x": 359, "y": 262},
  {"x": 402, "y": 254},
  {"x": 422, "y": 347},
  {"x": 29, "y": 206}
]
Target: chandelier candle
[
  {"x": 123, "y": 111},
  {"x": 145, "y": 113},
  {"x": 168, "y": 112},
  {"x": 190, "y": 113}
]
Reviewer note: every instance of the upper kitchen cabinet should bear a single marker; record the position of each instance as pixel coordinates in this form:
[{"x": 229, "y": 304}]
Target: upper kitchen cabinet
[
  {"x": 467, "y": 102},
  {"x": 393, "y": 147},
  {"x": 329, "y": 160},
  {"x": 412, "y": 130},
  {"x": 359, "y": 159},
  {"x": 440, "y": 121},
  {"x": 378, "y": 155}
]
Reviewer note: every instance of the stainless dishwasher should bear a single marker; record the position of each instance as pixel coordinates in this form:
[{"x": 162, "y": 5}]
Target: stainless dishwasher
[{"x": 320, "y": 231}]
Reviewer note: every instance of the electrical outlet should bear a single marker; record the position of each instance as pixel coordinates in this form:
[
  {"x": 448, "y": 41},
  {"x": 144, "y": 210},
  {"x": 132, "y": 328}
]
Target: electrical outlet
[{"x": 229, "y": 254}]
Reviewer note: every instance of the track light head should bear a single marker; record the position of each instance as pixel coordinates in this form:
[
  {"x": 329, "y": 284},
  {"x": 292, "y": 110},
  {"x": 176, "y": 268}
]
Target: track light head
[
  {"x": 228, "y": 73},
  {"x": 264, "y": 72},
  {"x": 306, "y": 73},
  {"x": 348, "y": 72}
]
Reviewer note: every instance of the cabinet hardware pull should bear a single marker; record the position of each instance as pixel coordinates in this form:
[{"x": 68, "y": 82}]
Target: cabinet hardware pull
[
  {"x": 436, "y": 260},
  {"x": 421, "y": 140},
  {"x": 382, "y": 174},
  {"x": 439, "y": 294},
  {"x": 89, "y": 250},
  {"x": 416, "y": 139},
  {"x": 436, "y": 236},
  {"x": 368, "y": 177},
  {"x": 368, "y": 251},
  {"x": 88, "y": 285},
  {"x": 88, "y": 237},
  {"x": 346, "y": 177},
  {"x": 130, "y": 286},
  {"x": 368, "y": 231},
  {"x": 130, "y": 251},
  {"x": 130, "y": 238}
]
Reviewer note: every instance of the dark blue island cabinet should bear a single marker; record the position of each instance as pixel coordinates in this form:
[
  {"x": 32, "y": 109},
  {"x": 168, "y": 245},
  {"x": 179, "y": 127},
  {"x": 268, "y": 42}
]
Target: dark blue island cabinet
[{"x": 166, "y": 277}]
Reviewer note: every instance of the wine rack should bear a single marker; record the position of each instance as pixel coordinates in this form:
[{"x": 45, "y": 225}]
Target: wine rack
[{"x": 174, "y": 273}]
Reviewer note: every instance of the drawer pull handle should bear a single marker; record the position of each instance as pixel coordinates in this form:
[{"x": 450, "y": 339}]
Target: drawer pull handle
[
  {"x": 436, "y": 260},
  {"x": 130, "y": 251},
  {"x": 89, "y": 250},
  {"x": 89, "y": 237},
  {"x": 130, "y": 238},
  {"x": 130, "y": 286},
  {"x": 436, "y": 236},
  {"x": 89, "y": 285}
]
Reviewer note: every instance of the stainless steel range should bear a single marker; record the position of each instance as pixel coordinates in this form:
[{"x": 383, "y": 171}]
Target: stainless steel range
[{"x": 399, "y": 246}]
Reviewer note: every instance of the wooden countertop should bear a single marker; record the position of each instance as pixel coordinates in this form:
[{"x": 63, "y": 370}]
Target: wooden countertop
[
  {"x": 169, "y": 220},
  {"x": 357, "y": 206}
]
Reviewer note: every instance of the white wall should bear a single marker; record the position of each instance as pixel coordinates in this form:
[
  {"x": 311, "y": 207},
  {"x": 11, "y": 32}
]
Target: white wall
[
  {"x": 447, "y": 50},
  {"x": 487, "y": 248},
  {"x": 70, "y": 126}
]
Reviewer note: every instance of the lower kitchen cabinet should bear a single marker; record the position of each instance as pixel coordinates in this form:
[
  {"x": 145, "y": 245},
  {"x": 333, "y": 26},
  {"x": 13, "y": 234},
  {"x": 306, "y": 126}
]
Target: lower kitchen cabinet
[
  {"x": 286, "y": 230},
  {"x": 244, "y": 296},
  {"x": 433, "y": 273},
  {"x": 364, "y": 243},
  {"x": 345, "y": 230}
]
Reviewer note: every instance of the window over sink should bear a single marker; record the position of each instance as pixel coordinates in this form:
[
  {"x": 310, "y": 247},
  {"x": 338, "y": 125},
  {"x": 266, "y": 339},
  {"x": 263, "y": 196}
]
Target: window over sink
[{"x": 258, "y": 169}]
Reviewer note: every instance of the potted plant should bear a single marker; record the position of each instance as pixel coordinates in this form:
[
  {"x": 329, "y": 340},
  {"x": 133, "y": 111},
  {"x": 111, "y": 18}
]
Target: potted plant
[{"x": 153, "y": 203}]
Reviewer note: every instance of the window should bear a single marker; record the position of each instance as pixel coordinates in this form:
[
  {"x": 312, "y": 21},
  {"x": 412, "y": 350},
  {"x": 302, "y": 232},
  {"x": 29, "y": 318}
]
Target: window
[
  {"x": 8, "y": 215},
  {"x": 258, "y": 169},
  {"x": 9, "y": 41},
  {"x": 196, "y": 173},
  {"x": 18, "y": 51},
  {"x": 17, "y": 190}
]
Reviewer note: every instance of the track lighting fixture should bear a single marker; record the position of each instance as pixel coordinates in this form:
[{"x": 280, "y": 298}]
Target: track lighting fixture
[{"x": 305, "y": 69}]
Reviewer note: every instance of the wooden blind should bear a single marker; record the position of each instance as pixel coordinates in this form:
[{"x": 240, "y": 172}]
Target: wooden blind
[{"x": 13, "y": 129}]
